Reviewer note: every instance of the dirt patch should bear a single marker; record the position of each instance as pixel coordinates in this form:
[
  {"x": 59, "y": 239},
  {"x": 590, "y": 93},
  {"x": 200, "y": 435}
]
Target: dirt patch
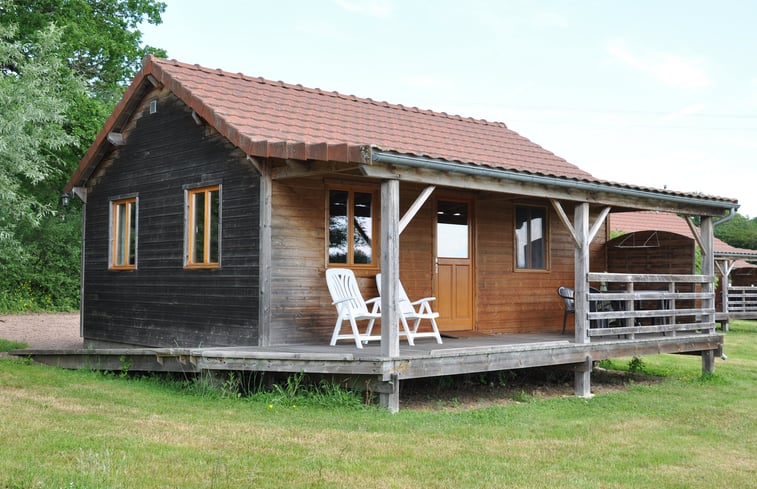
[{"x": 474, "y": 391}]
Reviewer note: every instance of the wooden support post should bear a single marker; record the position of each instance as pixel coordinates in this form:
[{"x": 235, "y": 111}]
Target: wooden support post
[
  {"x": 390, "y": 268},
  {"x": 581, "y": 285},
  {"x": 583, "y": 378},
  {"x": 708, "y": 265},
  {"x": 389, "y": 396},
  {"x": 265, "y": 253},
  {"x": 580, "y": 296},
  {"x": 725, "y": 267},
  {"x": 708, "y": 361}
]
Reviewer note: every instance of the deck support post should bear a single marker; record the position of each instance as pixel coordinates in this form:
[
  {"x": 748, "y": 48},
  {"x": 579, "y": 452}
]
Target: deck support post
[
  {"x": 583, "y": 378},
  {"x": 389, "y": 397},
  {"x": 708, "y": 361},
  {"x": 581, "y": 290}
]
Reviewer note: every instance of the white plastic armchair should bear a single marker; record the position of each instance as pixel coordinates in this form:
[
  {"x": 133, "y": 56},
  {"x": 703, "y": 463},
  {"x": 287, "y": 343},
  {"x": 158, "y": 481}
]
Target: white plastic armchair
[
  {"x": 351, "y": 307},
  {"x": 415, "y": 311}
]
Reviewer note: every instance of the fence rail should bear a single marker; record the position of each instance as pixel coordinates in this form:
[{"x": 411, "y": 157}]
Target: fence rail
[
  {"x": 631, "y": 304},
  {"x": 742, "y": 299}
]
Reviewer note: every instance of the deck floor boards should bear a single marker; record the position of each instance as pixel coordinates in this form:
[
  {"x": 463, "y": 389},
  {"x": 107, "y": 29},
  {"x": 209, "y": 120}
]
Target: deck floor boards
[{"x": 426, "y": 358}]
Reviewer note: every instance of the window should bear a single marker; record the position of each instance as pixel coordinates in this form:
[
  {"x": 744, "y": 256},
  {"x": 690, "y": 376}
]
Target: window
[
  {"x": 203, "y": 227},
  {"x": 452, "y": 230},
  {"x": 351, "y": 227},
  {"x": 531, "y": 238},
  {"x": 123, "y": 234}
]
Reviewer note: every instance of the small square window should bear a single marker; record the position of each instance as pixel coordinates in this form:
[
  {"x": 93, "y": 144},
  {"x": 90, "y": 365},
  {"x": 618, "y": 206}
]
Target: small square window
[
  {"x": 351, "y": 227},
  {"x": 123, "y": 234},
  {"x": 203, "y": 237}
]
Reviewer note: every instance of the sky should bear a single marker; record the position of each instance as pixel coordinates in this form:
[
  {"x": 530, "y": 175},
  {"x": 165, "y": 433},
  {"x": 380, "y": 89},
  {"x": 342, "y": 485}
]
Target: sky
[{"x": 653, "y": 93}]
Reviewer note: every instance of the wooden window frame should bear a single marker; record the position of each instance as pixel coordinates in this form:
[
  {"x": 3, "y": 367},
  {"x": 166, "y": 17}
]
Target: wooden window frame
[
  {"x": 116, "y": 237},
  {"x": 189, "y": 193},
  {"x": 546, "y": 230},
  {"x": 352, "y": 189}
]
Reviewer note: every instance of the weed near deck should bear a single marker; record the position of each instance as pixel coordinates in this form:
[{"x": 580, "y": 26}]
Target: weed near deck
[{"x": 66, "y": 429}]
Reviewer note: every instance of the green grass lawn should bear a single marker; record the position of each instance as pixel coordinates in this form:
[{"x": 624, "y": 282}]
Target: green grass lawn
[{"x": 80, "y": 429}]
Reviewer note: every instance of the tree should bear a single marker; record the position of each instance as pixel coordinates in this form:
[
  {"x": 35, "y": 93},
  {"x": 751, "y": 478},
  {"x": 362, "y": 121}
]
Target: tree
[
  {"x": 739, "y": 232},
  {"x": 31, "y": 129},
  {"x": 98, "y": 43}
]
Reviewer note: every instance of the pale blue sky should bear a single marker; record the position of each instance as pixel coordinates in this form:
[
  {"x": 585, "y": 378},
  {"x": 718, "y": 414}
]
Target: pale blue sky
[{"x": 648, "y": 92}]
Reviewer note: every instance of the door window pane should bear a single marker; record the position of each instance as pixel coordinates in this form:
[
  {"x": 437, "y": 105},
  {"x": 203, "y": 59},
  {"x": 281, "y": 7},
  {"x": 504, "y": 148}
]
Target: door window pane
[{"x": 452, "y": 236}]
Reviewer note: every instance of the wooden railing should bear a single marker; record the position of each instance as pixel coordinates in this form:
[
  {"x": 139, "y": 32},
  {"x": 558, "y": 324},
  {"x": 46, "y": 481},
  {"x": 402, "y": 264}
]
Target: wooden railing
[
  {"x": 742, "y": 300},
  {"x": 630, "y": 304}
]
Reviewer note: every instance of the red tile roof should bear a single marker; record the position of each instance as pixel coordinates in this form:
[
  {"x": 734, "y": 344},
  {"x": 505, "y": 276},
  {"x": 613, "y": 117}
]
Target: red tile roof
[
  {"x": 631, "y": 222},
  {"x": 275, "y": 119}
]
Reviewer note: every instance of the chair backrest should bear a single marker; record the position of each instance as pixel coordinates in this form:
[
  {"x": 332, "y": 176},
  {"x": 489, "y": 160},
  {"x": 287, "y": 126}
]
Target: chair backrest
[
  {"x": 342, "y": 284},
  {"x": 406, "y": 307},
  {"x": 567, "y": 295}
]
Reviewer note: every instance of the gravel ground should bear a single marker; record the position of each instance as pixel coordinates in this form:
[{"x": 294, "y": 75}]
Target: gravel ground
[{"x": 43, "y": 331}]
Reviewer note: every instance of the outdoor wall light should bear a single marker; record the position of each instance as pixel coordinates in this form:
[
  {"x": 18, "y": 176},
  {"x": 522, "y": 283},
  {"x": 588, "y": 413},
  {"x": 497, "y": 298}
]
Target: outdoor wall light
[{"x": 65, "y": 199}]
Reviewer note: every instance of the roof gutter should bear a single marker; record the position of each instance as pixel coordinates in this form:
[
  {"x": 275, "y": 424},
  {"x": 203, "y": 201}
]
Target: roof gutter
[
  {"x": 726, "y": 218},
  {"x": 478, "y": 171}
]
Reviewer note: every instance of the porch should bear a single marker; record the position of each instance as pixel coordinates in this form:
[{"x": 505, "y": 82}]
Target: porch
[{"x": 368, "y": 368}]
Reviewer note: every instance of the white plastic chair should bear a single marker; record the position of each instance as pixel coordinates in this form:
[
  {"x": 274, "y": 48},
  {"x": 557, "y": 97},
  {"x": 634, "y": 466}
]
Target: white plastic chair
[
  {"x": 415, "y": 311},
  {"x": 351, "y": 307}
]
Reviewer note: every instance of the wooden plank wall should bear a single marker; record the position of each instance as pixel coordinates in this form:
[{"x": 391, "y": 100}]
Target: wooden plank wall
[
  {"x": 667, "y": 253},
  {"x": 744, "y": 277},
  {"x": 161, "y": 303},
  {"x": 301, "y": 309}
]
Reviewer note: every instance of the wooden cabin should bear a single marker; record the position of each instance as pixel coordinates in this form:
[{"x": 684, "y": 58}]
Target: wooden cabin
[
  {"x": 653, "y": 240},
  {"x": 215, "y": 202}
]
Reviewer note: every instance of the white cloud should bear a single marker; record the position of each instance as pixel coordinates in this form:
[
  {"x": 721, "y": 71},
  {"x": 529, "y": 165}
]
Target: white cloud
[
  {"x": 374, "y": 8},
  {"x": 672, "y": 70},
  {"x": 682, "y": 114}
]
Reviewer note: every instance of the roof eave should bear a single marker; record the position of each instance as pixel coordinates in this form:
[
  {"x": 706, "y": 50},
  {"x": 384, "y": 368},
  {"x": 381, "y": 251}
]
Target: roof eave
[{"x": 680, "y": 202}]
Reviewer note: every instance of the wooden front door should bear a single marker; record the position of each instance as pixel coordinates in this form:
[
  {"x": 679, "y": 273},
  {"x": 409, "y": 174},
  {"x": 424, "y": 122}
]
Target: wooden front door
[{"x": 454, "y": 265}]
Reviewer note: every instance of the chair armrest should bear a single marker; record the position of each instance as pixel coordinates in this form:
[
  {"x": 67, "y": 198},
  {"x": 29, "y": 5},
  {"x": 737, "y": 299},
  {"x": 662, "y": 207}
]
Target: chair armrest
[
  {"x": 425, "y": 299},
  {"x": 376, "y": 301},
  {"x": 339, "y": 301}
]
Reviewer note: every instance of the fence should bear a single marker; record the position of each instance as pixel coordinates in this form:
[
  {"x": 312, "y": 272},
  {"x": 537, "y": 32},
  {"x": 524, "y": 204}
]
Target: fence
[{"x": 631, "y": 304}]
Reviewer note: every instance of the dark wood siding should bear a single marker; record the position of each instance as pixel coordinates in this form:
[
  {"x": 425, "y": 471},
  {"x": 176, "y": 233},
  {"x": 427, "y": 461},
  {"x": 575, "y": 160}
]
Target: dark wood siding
[
  {"x": 744, "y": 277},
  {"x": 161, "y": 303}
]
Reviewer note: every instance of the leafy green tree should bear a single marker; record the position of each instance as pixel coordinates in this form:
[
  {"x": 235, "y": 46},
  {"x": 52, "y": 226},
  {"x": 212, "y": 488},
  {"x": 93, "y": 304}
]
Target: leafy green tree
[
  {"x": 739, "y": 231},
  {"x": 98, "y": 43},
  {"x": 31, "y": 128},
  {"x": 31, "y": 132}
]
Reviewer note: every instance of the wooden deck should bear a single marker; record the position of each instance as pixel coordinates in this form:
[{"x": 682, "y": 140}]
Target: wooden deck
[{"x": 425, "y": 359}]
